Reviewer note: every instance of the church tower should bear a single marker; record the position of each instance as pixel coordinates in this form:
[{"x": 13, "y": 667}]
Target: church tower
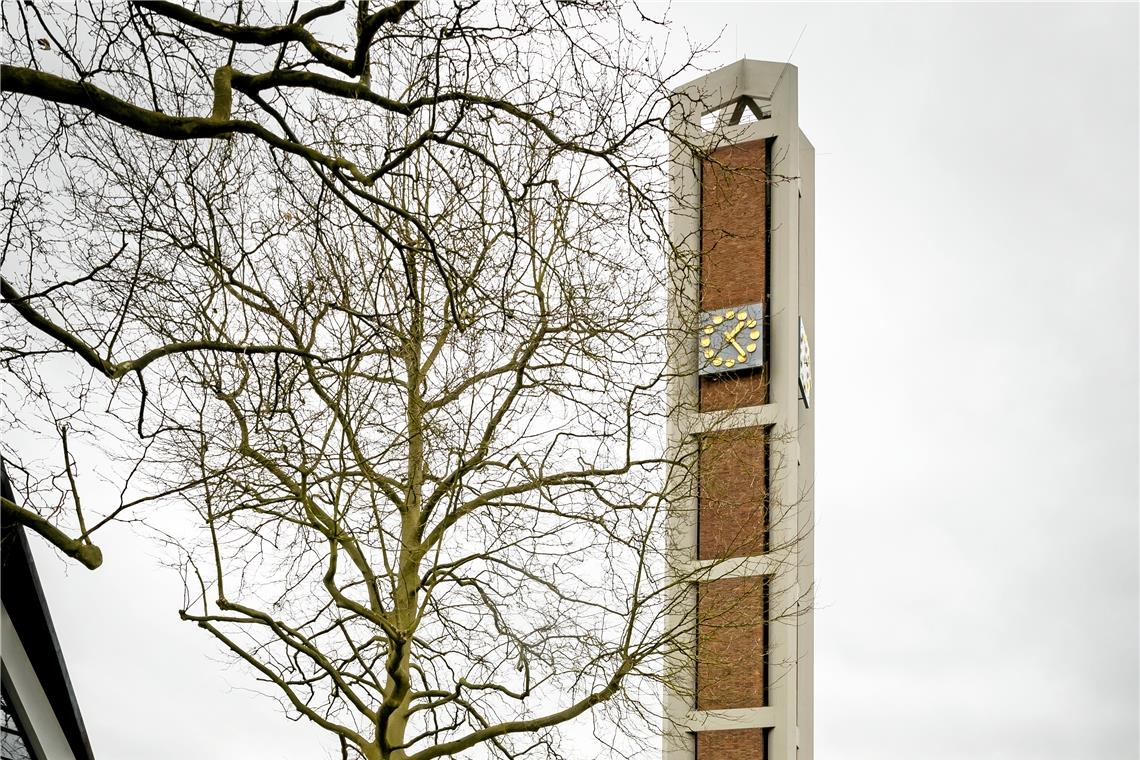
[{"x": 741, "y": 416}]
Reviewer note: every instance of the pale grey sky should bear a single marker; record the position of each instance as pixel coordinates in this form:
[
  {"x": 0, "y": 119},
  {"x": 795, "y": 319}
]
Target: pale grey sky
[{"x": 976, "y": 384}]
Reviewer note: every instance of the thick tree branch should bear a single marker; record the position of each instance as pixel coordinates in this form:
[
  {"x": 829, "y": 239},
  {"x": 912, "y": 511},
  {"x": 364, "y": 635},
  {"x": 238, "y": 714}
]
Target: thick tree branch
[
  {"x": 49, "y": 87},
  {"x": 258, "y": 35},
  {"x": 88, "y": 554}
]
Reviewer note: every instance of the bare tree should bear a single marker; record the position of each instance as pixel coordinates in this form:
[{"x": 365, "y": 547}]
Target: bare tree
[
  {"x": 329, "y": 102},
  {"x": 466, "y": 498}
]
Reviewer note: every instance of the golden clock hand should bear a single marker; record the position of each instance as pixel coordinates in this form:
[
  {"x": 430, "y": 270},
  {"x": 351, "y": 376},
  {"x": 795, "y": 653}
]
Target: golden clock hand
[
  {"x": 741, "y": 356},
  {"x": 728, "y": 336}
]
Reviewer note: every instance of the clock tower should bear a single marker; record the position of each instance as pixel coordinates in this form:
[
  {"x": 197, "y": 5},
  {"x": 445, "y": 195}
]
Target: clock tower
[{"x": 742, "y": 418}]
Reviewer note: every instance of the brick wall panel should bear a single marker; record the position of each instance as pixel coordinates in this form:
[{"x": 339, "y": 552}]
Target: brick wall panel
[
  {"x": 732, "y": 391},
  {"x": 733, "y": 744},
  {"x": 732, "y": 518},
  {"x": 731, "y": 643},
  {"x": 734, "y": 225}
]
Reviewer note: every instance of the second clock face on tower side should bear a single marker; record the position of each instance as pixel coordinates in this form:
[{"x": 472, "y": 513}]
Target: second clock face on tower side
[{"x": 731, "y": 339}]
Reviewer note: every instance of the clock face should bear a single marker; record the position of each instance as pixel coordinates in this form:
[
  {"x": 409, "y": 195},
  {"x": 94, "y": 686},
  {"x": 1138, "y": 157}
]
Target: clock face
[
  {"x": 731, "y": 339},
  {"x": 805, "y": 366}
]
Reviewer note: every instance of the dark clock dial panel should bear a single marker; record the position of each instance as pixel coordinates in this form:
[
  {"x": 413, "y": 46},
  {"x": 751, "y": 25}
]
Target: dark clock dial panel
[{"x": 731, "y": 339}]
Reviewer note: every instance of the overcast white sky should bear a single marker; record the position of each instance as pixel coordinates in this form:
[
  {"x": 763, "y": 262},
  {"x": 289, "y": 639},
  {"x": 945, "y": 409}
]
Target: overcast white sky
[{"x": 977, "y": 391}]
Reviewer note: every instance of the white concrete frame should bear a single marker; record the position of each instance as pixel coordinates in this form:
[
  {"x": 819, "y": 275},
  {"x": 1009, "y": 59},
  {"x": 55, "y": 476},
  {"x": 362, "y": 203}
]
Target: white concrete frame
[
  {"x": 31, "y": 703},
  {"x": 773, "y": 87}
]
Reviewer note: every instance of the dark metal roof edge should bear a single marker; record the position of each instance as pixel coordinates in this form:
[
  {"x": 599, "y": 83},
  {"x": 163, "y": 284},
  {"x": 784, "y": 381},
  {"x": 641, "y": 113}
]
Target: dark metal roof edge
[{"x": 23, "y": 597}]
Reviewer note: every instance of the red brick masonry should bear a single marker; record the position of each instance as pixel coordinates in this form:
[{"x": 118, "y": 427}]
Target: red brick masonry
[
  {"x": 731, "y": 644},
  {"x": 734, "y": 244},
  {"x": 733, "y": 744},
  {"x": 732, "y": 519}
]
